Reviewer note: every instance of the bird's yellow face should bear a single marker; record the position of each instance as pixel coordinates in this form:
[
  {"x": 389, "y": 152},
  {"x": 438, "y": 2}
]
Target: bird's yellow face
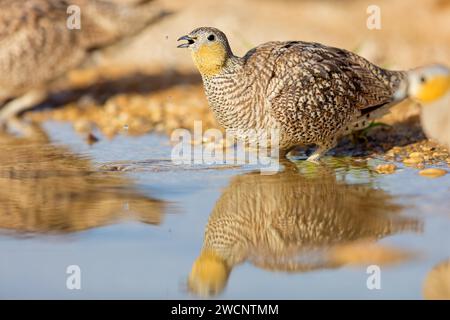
[
  {"x": 209, "y": 58},
  {"x": 209, "y": 48},
  {"x": 433, "y": 89},
  {"x": 429, "y": 84},
  {"x": 209, "y": 274}
]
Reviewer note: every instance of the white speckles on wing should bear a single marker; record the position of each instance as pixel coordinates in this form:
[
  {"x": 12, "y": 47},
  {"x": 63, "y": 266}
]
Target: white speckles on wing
[{"x": 311, "y": 91}]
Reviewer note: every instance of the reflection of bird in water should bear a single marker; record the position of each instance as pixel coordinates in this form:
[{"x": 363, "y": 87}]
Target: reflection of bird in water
[
  {"x": 430, "y": 86},
  {"x": 36, "y": 45},
  {"x": 47, "y": 188},
  {"x": 285, "y": 222},
  {"x": 437, "y": 282}
]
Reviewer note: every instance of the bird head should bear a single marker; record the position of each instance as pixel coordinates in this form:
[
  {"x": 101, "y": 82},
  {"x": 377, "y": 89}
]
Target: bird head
[
  {"x": 210, "y": 49},
  {"x": 209, "y": 274},
  {"x": 429, "y": 84}
]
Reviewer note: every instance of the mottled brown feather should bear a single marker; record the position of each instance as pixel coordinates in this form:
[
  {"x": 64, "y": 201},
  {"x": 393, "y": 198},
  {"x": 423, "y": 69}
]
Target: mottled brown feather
[
  {"x": 36, "y": 46},
  {"x": 312, "y": 92}
]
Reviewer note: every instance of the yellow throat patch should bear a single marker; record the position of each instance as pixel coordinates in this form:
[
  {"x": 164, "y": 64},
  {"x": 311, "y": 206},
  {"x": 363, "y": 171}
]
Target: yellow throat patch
[
  {"x": 210, "y": 58},
  {"x": 434, "y": 89},
  {"x": 209, "y": 273}
]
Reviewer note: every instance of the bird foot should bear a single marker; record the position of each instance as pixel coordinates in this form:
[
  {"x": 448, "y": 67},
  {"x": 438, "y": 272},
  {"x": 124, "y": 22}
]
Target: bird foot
[
  {"x": 314, "y": 158},
  {"x": 321, "y": 150}
]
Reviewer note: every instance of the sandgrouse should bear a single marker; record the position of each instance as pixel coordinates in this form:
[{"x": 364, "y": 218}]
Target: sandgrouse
[
  {"x": 430, "y": 87},
  {"x": 311, "y": 93},
  {"x": 38, "y": 44}
]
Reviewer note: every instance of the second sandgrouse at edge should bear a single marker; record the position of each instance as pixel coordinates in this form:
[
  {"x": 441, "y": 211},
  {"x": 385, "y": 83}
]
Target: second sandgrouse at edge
[{"x": 312, "y": 93}]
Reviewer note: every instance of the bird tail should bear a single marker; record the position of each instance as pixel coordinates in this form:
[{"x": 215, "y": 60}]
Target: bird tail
[{"x": 398, "y": 81}]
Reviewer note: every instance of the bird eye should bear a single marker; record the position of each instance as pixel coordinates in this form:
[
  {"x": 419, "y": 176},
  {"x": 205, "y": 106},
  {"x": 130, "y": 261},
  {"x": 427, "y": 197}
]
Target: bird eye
[
  {"x": 211, "y": 37},
  {"x": 423, "y": 79}
]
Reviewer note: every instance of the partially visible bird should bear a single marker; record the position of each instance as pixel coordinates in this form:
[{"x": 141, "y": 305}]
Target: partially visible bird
[
  {"x": 38, "y": 45},
  {"x": 311, "y": 92},
  {"x": 437, "y": 282},
  {"x": 430, "y": 87}
]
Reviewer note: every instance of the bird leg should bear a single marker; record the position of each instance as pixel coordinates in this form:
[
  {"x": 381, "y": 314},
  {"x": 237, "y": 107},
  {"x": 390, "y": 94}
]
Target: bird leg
[
  {"x": 29, "y": 130},
  {"x": 15, "y": 107},
  {"x": 321, "y": 150},
  {"x": 288, "y": 165}
]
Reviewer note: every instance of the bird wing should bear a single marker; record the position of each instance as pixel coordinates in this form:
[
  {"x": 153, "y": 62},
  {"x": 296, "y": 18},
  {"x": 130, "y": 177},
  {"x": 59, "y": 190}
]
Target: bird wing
[
  {"x": 35, "y": 43},
  {"x": 303, "y": 78},
  {"x": 340, "y": 71}
]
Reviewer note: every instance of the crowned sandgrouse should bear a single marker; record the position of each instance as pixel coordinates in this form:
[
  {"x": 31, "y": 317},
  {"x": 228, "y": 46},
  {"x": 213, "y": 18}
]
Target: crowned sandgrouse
[
  {"x": 38, "y": 42},
  {"x": 311, "y": 93}
]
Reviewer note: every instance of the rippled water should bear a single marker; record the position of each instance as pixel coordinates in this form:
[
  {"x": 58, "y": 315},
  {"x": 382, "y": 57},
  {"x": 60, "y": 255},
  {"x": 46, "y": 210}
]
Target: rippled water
[{"x": 140, "y": 227}]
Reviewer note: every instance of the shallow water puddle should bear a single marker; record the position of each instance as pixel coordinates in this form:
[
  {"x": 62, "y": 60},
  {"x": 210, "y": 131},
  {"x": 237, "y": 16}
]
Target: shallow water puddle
[{"x": 140, "y": 227}]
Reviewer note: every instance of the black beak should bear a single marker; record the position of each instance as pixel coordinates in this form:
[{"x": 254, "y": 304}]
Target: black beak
[{"x": 189, "y": 40}]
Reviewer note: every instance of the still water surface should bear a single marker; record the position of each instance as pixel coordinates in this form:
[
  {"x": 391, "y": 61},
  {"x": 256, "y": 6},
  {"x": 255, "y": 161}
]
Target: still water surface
[{"x": 140, "y": 227}]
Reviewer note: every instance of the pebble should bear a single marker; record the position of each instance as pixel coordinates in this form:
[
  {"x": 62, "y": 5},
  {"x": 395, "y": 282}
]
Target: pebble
[
  {"x": 427, "y": 148},
  {"x": 386, "y": 168},
  {"x": 82, "y": 126},
  {"x": 412, "y": 161},
  {"x": 91, "y": 139},
  {"x": 420, "y": 165},
  {"x": 433, "y": 172},
  {"x": 418, "y": 155},
  {"x": 440, "y": 155}
]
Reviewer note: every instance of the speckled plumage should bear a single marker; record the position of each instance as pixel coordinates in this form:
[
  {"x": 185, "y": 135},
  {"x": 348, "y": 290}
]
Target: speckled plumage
[
  {"x": 36, "y": 46},
  {"x": 291, "y": 219},
  {"x": 276, "y": 221},
  {"x": 313, "y": 93}
]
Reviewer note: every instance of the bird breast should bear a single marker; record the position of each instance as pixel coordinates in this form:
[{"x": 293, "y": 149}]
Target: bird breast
[
  {"x": 435, "y": 118},
  {"x": 237, "y": 103}
]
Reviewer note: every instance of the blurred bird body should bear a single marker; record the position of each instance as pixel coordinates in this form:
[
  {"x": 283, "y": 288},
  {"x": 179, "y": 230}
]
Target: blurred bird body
[
  {"x": 312, "y": 93},
  {"x": 430, "y": 87},
  {"x": 37, "y": 47}
]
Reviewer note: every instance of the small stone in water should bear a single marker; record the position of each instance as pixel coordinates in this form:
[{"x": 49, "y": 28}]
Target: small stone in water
[
  {"x": 386, "y": 168},
  {"x": 416, "y": 155},
  {"x": 427, "y": 148},
  {"x": 440, "y": 155},
  {"x": 91, "y": 138},
  {"x": 390, "y": 153},
  {"x": 412, "y": 161},
  {"x": 433, "y": 172},
  {"x": 82, "y": 126}
]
